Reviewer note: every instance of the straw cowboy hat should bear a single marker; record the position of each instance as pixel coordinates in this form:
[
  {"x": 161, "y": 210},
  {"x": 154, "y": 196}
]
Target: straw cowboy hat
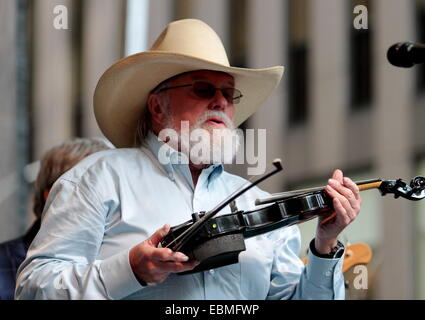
[{"x": 184, "y": 45}]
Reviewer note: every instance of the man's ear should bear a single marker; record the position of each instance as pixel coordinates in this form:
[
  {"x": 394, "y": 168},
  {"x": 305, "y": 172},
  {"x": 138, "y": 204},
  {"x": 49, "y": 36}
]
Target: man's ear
[{"x": 155, "y": 109}]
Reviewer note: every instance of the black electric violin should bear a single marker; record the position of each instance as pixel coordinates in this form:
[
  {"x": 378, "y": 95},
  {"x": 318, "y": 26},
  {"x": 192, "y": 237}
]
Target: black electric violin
[{"x": 217, "y": 241}]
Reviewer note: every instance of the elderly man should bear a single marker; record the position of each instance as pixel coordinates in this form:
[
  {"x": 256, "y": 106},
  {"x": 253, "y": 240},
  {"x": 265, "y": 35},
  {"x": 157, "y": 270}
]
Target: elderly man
[{"x": 106, "y": 217}]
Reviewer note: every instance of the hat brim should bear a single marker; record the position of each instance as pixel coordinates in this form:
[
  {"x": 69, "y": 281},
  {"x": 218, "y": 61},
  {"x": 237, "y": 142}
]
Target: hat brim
[{"x": 123, "y": 89}]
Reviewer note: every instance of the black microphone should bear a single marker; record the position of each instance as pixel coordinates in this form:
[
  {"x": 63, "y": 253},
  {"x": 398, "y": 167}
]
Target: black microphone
[{"x": 406, "y": 54}]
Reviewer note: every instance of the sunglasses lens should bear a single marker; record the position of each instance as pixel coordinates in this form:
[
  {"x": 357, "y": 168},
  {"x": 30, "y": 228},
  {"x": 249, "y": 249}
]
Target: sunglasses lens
[
  {"x": 203, "y": 90},
  {"x": 232, "y": 95}
]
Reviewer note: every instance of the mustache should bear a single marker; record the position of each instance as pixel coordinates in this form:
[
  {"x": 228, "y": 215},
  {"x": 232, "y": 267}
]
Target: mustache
[{"x": 217, "y": 115}]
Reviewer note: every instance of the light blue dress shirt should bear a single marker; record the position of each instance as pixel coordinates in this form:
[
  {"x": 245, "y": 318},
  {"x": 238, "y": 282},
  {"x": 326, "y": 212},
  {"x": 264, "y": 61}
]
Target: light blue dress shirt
[{"x": 115, "y": 199}]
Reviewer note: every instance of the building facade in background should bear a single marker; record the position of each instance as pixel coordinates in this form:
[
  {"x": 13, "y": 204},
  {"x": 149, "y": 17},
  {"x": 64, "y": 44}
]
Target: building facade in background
[{"x": 340, "y": 104}]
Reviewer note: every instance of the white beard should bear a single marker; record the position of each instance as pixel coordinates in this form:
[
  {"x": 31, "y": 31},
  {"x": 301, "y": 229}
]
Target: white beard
[{"x": 202, "y": 143}]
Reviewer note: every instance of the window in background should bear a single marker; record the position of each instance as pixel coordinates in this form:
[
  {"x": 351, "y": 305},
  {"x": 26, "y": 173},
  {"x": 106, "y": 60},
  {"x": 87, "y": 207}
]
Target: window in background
[
  {"x": 420, "y": 37},
  {"x": 420, "y": 240},
  {"x": 298, "y": 61},
  {"x": 24, "y": 147},
  {"x": 238, "y": 38},
  {"x": 77, "y": 47},
  {"x": 361, "y": 60},
  {"x": 183, "y": 9},
  {"x": 136, "y": 28},
  {"x": 237, "y": 33}
]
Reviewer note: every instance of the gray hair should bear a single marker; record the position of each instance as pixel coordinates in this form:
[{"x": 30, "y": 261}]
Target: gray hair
[
  {"x": 59, "y": 159},
  {"x": 144, "y": 123}
]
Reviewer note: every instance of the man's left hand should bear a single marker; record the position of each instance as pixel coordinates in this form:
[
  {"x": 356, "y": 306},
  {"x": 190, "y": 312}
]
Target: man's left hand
[{"x": 346, "y": 201}]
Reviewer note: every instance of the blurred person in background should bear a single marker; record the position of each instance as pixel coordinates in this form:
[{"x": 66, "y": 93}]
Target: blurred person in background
[{"x": 53, "y": 164}]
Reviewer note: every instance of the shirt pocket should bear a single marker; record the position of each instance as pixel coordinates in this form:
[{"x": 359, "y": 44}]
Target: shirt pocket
[{"x": 256, "y": 265}]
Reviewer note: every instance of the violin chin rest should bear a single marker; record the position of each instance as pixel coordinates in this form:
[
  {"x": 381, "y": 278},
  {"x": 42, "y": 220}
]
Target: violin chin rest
[{"x": 216, "y": 252}]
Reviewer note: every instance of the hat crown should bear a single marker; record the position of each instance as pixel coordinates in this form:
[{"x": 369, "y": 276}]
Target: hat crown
[{"x": 194, "y": 38}]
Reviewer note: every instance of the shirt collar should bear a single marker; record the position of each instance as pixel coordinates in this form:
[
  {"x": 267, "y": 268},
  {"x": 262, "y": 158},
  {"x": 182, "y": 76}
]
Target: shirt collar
[{"x": 171, "y": 159}]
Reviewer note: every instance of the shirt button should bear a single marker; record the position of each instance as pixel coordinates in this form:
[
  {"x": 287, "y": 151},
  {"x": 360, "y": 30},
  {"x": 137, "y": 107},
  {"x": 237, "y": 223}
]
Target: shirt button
[
  {"x": 212, "y": 272},
  {"x": 328, "y": 273}
]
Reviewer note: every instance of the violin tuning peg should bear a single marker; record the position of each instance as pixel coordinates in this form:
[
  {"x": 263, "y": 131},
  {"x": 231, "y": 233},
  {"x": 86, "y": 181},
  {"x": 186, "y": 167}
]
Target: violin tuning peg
[{"x": 418, "y": 182}]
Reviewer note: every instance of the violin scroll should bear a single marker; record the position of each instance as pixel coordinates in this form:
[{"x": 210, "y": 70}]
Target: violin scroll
[
  {"x": 414, "y": 191},
  {"x": 418, "y": 183}
]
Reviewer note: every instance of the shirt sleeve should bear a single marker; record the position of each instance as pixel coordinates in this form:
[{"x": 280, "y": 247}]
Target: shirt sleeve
[
  {"x": 320, "y": 279},
  {"x": 61, "y": 262}
]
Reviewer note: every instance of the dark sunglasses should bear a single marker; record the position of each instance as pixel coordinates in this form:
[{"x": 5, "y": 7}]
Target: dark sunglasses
[{"x": 205, "y": 90}]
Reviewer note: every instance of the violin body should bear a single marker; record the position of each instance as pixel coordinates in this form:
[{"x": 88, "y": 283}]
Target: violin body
[{"x": 221, "y": 239}]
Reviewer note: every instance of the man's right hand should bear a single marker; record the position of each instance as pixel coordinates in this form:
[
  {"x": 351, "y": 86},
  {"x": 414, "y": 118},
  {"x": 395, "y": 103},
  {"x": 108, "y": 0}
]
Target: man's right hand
[{"x": 153, "y": 265}]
